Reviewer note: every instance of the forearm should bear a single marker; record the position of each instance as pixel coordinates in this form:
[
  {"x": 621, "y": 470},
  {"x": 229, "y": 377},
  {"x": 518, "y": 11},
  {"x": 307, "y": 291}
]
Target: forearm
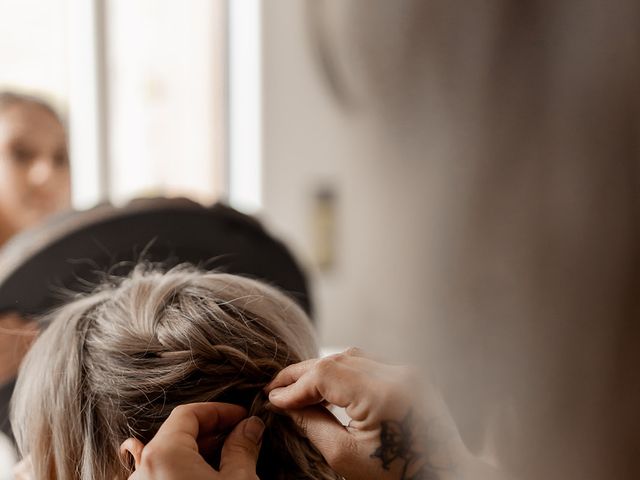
[{"x": 429, "y": 451}]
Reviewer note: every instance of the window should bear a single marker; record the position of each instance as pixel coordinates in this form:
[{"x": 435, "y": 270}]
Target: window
[
  {"x": 166, "y": 90},
  {"x": 163, "y": 96},
  {"x": 34, "y": 48}
]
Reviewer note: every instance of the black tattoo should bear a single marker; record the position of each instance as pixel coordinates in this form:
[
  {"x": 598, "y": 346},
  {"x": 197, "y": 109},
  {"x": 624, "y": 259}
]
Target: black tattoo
[{"x": 398, "y": 441}]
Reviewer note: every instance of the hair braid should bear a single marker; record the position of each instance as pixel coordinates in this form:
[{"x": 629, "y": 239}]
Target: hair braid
[{"x": 150, "y": 342}]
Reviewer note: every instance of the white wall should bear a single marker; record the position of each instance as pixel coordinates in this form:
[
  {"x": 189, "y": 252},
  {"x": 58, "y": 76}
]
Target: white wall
[{"x": 376, "y": 293}]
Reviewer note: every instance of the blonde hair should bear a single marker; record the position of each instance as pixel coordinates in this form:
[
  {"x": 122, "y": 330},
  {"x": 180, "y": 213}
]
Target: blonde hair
[{"x": 114, "y": 363}]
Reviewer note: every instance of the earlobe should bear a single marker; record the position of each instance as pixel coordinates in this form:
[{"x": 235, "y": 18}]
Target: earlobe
[{"x": 133, "y": 447}]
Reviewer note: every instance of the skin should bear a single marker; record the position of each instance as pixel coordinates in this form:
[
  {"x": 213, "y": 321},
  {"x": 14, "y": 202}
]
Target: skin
[
  {"x": 34, "y": 167},
  {"x": 423, "y": 444},
  {"x": 174, "y": 450},
  {"x": 396, "y": 431},
  {"x": 376, "y": 396}
]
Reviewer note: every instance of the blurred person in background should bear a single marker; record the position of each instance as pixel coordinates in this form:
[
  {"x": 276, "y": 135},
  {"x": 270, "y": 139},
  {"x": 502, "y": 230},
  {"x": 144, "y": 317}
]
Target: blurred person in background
[
  {"x": 35, "y": 182},
  {"x": 34, "y": 163}
]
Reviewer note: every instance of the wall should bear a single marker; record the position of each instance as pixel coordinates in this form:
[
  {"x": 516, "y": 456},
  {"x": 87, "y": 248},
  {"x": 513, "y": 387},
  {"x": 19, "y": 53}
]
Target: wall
[{"x": 376, "y": 291}]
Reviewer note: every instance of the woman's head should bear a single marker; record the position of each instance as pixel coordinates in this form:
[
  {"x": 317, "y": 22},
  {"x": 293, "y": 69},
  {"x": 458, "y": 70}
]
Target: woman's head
[
  {"x": 34, "y": 165},
  {"x": 114, "y": 363}
]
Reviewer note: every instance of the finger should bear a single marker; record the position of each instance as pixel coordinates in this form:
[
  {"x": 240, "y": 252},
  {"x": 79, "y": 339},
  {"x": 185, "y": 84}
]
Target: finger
[
  {"x": 196, "y": 419},
  {"x": 358, "y": 352},
  {"x": 291, "y": 374},
  {"x": 306, "y": 391},
  {"x": 332, "y": 380},
  {"x": 242, "y": 447},
  {"x": 327, "y": 434}
]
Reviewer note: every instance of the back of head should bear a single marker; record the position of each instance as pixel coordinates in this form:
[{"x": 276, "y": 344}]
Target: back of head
[{"x": 113, "y": 364}]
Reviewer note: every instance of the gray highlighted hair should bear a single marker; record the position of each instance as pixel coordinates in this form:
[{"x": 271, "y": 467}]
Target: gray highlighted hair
[{"x": 112, "y": 364}]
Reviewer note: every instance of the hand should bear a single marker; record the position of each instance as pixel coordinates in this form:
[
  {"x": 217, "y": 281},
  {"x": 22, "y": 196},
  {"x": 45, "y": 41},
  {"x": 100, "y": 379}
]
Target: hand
[
  {"x": 174, "y": 454},
  {"x": 394, "y": 433}
]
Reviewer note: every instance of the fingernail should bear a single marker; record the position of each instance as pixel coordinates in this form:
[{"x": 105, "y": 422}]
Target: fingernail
[{"x": 253, "y": 429}]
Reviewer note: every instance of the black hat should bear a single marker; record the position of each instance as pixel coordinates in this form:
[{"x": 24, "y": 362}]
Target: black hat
[{"x": 73, "y": 251}]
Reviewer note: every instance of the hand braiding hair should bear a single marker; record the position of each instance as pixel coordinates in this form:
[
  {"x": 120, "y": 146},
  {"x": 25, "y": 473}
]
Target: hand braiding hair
[{"x": 136, "y": 348}]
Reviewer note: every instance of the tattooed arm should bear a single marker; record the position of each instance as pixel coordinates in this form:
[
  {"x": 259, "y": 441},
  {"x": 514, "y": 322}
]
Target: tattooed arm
[
  {"x": 395, "y": 433},
  {"x": 402, "y": 443},
  {"x": 425, "y": 451}
]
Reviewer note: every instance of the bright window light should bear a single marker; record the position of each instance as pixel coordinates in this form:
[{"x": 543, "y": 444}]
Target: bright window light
[
  {"x": 245, "y": 105},
  {"x": 86, "y": 95},
  {"x": 166, "y": 98}
]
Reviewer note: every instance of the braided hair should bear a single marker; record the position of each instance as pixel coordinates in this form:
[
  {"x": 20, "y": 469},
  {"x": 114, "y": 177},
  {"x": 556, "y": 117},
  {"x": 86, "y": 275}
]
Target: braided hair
[{"x": 113, "y": 364}]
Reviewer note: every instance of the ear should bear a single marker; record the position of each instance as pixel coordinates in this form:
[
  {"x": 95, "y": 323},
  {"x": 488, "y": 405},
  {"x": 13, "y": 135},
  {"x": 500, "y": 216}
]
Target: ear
[{"x": 134, "y": 447}]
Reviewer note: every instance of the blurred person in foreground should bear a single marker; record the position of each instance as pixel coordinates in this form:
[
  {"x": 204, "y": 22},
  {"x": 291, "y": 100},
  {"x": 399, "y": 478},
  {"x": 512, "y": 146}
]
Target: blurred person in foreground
[
  {"x": 528, "y": 115},
  {"x": 34, "y": 183}
]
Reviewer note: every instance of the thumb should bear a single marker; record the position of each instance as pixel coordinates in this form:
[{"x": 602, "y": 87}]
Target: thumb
[
  {"x": 241, "y": 448},
  {"x": 328, "y": 435}
]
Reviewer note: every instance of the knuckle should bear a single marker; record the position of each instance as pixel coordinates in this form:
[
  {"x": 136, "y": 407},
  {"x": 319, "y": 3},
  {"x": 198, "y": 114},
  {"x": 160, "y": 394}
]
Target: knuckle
[
  {"x": 180, "y": 409},
  {"x": 341, "y": 357},
  {"x": 354, "y": 352},
  {"x": 326, "y": 365}
]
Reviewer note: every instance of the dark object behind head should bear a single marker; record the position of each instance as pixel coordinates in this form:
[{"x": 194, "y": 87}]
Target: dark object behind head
[{"x": 74, "y": 252}]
